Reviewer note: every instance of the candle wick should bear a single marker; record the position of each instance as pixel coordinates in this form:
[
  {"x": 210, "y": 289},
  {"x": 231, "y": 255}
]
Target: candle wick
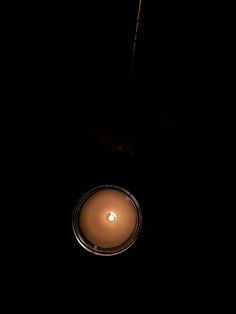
[{"x": 111, "y": 216}]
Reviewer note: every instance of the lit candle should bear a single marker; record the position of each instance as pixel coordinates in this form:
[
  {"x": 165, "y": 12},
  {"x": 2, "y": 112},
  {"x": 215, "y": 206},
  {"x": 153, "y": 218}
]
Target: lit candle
[{"x": 107, "y": 220}]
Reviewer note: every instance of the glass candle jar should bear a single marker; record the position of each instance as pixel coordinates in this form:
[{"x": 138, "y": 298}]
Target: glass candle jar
[{"x": 107, "y": 220}]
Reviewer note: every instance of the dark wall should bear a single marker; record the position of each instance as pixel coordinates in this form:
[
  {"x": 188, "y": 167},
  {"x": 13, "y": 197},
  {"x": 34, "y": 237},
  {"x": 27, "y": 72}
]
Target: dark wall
[{"x": 166, "y": 134}]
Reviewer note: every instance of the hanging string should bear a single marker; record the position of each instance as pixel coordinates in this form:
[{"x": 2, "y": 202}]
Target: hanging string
[{"x": 135, "y": 37}]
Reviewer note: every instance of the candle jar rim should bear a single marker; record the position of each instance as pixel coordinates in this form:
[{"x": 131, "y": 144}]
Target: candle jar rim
[{"x": 92, "y": 248}]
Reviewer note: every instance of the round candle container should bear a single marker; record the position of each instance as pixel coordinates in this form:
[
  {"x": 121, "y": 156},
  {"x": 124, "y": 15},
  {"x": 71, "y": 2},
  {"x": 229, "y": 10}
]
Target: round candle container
[{"x": 107, "y": 220}]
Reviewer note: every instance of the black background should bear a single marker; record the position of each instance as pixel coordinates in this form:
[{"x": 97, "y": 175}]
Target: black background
[{"x": 165, "y": 134}]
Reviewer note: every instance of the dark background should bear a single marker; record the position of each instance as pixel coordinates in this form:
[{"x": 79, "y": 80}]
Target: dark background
[{"x": 165, "y": 134}]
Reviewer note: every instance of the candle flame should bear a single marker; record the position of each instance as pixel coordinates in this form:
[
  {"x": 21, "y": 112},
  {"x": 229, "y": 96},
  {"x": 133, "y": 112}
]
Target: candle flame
[{"x": 111, "y": 216}]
